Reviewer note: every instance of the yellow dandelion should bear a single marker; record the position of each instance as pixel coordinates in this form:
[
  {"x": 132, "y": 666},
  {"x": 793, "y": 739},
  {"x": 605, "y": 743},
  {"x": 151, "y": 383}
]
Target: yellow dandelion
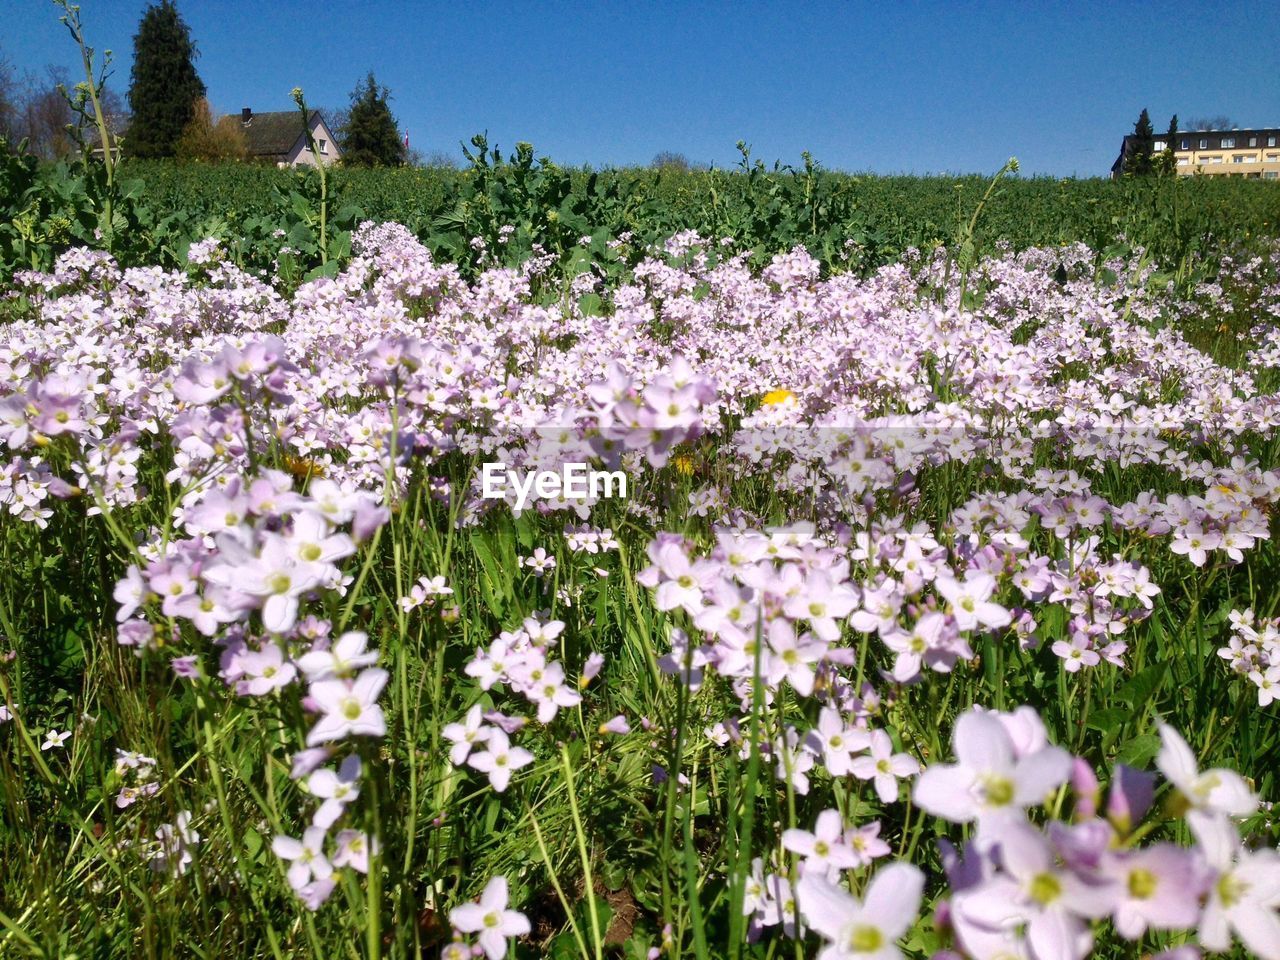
[
  {"x": 683, "y": 463},
  {"x": 303, "y": 467},
  {"x": 777, "y": 396}
]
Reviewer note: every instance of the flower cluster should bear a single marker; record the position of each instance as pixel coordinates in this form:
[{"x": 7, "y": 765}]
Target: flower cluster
[
  {"x": 1254, "y": 653},
  {"x": 1020, "y": 889}
]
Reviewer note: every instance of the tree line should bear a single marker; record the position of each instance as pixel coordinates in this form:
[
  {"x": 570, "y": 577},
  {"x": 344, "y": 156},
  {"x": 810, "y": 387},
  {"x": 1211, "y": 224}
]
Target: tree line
[{"x": 166, "y": 112}]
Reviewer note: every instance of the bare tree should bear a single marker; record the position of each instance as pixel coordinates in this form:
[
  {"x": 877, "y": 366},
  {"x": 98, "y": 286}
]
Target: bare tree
[
  {"x": 670, "y": 160},
  {"x": 1219, "y": 122},
  {"x": 11, "y": 96},
  {"x": 37, "y": 110},
  {"x": 47, "y": 116},
  {"x": 441, "y": 159},
  {"x": 336, "y": 118}
]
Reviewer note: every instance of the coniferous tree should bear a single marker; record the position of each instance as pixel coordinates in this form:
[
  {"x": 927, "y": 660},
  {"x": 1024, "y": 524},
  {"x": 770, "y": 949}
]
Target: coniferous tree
[
  {"x": 1139, "y": 162},
  {"x": 371, "y": 137},
  {"x": 1166, "y": 163},
  {"x": 163, "y": 86}
]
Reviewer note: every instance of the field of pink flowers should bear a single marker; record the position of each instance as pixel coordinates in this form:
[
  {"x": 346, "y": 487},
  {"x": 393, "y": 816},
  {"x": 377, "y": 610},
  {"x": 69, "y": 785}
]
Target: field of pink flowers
[{"x": 941, "y": 617}]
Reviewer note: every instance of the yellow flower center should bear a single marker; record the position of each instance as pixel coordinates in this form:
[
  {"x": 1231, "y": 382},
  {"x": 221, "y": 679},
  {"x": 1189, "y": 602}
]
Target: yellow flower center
[
  {"x": 865, "y": 939},
  {"x": 1142, "y": 884},
  {"x": 1045, "y": 888},
  {"x": 998, "y": 791}
]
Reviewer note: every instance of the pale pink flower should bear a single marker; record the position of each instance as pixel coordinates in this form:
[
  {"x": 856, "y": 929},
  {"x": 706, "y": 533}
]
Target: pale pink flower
[
  {"x": 348, "y": 707},
  {"x": 1245, "y": 892},
  {"x": 499, "y": 759},
  {"x": 306, "y": 857},
  {"x": 467, "y": 735},
  {"x": 824, "y": 849},
  {"x": 969, "y": 601},
  {"x": 335, "y": 789},
  {"x": 343, "y": 658},
  {"x": 1159, "y": 888},
  {"x": 989, "y": 784},
  {"x": 862, "y": 929},
  {"x": 884, "y": 766},
  {"x": 491, "y": 919},
  {"x": 1215, "y": 791}
]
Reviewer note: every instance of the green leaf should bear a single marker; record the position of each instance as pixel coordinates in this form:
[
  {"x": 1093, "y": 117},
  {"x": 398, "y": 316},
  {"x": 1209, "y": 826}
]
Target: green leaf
[
  {"x": 300, "y": 236},
  {"x": 1138, "y": 751},
  {"x": 1108, "y": 720},
  {"x": 563, "y": 947},
  {"x": 329, "y": 269},
  {"x": 252, "y": 843},
  {"x": 301, "y": 206},
  {"x": 1143, "y": 686}
]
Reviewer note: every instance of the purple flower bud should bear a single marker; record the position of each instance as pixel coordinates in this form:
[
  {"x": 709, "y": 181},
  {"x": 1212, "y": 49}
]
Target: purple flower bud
[
  {"x": 942, "y": 919},
  {"x": 1130, "y": 798},
  {"x": 1082, "y": 845},
  {"x": 592, "y": 667},
  {"x": 1085, "y": 784},
  {"x": 369, "y": 516},
  {"x": 63, "y": 490},
  {"x": 188, "y": 668},
  {"x": 135, "y": 633},
  {"x": 506, "y": 724},
  {"x": 305, "y": 761}
]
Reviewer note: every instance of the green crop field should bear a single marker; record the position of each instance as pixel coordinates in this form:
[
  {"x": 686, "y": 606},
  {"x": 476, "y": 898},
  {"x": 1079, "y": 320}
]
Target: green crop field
[{"x": 849, "y": 222}]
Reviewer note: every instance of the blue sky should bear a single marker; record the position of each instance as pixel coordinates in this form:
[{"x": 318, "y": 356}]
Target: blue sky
[{"x": 886, "y": 87}]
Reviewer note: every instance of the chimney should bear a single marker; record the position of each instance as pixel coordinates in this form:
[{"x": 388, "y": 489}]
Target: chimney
[{"x": 246, "y": 115}]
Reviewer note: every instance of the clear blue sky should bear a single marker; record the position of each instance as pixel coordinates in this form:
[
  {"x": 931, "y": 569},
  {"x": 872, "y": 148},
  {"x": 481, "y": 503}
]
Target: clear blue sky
[{"x": 886, "y": 87}]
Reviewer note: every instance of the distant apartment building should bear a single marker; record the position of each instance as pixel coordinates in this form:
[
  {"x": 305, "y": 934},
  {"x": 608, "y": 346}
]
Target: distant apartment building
[{"x": 1253, "y": 154}]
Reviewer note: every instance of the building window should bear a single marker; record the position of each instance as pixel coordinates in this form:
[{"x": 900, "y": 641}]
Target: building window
[
  {"x": 323, "y": 145},
  {"x": 1253, "y": 141},
  {"x": 1211, "y": 159},
  {"x": 1183, "y": 161},
  {"x": 1204, "y": 144},
  {"x": 1270, "y": 175},
  {"x": 1159, "y": 146},
  {"x": 1271, "y": 141},
  {"x": 1238, "y": 159},
  {"x": 1186, "y": 144},
  {"x": 1228, "y": 143}
]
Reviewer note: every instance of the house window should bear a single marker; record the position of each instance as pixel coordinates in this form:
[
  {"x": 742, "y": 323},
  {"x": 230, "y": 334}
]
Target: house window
[
  {"x": 1253, "y": 141},
  {"x": 1238, "y": 159},
  {"x": 1159, "y": 146},
  {"x": 1211, "y": 159},
  {"x": 1271, "y": 141},
  {"x": 1186, "y": 144},
  {"x": 1270, "y": 175},
  {"x": 1204, "y": 144},
  {"x": 1183, "y": 161},
  {"x": 323, "y": 145},
  {"x": 1228, "y": 143}
]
